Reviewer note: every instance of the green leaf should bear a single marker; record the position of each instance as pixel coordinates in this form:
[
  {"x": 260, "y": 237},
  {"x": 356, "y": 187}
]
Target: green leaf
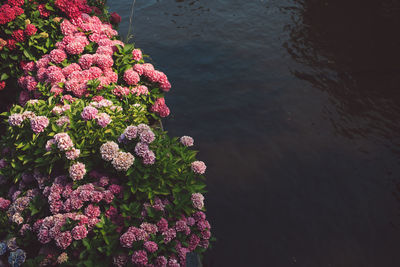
[{"x": 4, "y": 76}]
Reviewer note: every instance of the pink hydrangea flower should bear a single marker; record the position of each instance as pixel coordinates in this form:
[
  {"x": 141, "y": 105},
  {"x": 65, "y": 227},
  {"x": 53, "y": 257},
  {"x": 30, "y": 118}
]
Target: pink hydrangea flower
[
  {"x": 63, "y": 240},
  {"x": 140, "y": 90},
  {"x": 62, "y": 121},
  {"x": 168, "y": 235},
  {"x": 103, "y": 61},
  {"x": 72, "y": 154},
  {"x": 103, "y": 119},
  {"x": 95, "y": 73},
  {"x": 75, "y": 48},
  {"x": 147, "y": 136},
  {"x": 187, "y": 141},
  {"x": 123, "y": 161},
  {"x": 68, "y": 70},
  {"x": 130, "y": 132},
  {"x": 131, "y": 77},
  {"x": 39, "y": 123},
  {"x": 57, "y": 110},
  {"x": 137, "y": 54},
  {"x": 50, "y": 144},
  {"x": 150, "y": 246},
  {"x": 161, "y": 261},
  {"x": 56, "y": 90},
  {"x": 121, "y": 91},
  {"x": 149, "y": 158},
  {"x": 86, "y": 61},
  {"x": 67, "y": 28},
  {"x": 77, "y": 171},
  {"x": 194, "y": 240},
  {"x": 139, "y": 258},
  {"x": 4, "y": 203},
  {"x": 15, "y": 119},
  {"x": 89, "y": 113},
  {"x": 111, "y": 75},
  {"x": 127, "y": 239},
  {"x": 55, "y": 77},
  {"x": 109, "y": 150},
  {"x": 105, "y": 50},
  {"x": 64, "y": 142},
  {"x": 141, "y": 148},
  {"x": 197, "y": 200},
  {"x": 57, "y": 56},
  {"x": 198, "y": 167},
  {"x": 92, "y": 211}
]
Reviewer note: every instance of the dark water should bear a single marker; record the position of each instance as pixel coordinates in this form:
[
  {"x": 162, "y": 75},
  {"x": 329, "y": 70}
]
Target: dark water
[{"x": 295, "y": 107}]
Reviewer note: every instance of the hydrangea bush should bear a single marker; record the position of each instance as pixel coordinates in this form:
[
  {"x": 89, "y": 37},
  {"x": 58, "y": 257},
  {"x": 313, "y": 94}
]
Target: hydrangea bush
[
  {"x": 86, "y": 176},
  {"x": 92, "y": 183}
]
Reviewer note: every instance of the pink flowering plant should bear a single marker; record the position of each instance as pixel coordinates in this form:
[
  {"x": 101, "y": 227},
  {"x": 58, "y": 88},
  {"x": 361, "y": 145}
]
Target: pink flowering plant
[
  {"x": 90, "y": 62},
  {"x": 94, "y": 184},
  {"x": 30, "y": 29}
]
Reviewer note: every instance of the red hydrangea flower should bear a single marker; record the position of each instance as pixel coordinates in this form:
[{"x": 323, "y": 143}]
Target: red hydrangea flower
[
  {"x": 2, "y": 85},
  {"x": 115, "y": 18},
  {"x": 30, "y": 29}
]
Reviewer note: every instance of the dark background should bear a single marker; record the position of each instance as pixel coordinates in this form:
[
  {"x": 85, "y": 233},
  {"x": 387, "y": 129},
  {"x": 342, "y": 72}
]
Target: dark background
[{"x": 295, "y": 108}]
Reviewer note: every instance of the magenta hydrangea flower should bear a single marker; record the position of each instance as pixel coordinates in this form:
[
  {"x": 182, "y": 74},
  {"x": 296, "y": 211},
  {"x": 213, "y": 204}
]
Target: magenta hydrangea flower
[
  {"x": 149, "y": 227},
  {"x": 199, "y": 167},
  {"x": 194, "y": 240},
  {"x": 162, "y": 225},
  {"x": 109, "y": 150},
  {"x": 63, "y": 240},
  {"x": 127, "y": 239},
  {"x": 77, "y": 171},
  {"x": 89, "y": 113},
  {"x": 15, "y": 119},
  {"x": 131, "y": 77},
  {"x": 197, "y": 200},
  {"x": 79, "y": 232},
  {"x": 92, "y": 211},
  {"x": 187, "y": 140},
  {"x": 137, "y": 54},
  {"x": 168, "y": 235},
  {"x": 149, "y": 157},
  {"x": 139, "y": 258},
  {"x": 150, "y": 246},
  {"x": 39, "y": 123},
  {"x": 161, "y": 261}
]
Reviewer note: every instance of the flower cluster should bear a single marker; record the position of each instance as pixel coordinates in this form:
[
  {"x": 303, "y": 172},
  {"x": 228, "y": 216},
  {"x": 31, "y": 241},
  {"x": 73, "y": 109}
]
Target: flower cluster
[
  {"x": 64, "y": 143},
  {"x": 193, "y": 230}
]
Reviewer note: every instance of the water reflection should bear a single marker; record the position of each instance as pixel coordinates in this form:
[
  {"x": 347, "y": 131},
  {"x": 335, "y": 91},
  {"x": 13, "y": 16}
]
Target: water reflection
[{"x": 351, "y": 53}]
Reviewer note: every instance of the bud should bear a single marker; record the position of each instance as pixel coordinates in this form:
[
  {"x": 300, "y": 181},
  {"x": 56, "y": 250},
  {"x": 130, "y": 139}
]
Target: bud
[
  {"x": 57, "y": 19},
  {"x": 44, "y": 34}
]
